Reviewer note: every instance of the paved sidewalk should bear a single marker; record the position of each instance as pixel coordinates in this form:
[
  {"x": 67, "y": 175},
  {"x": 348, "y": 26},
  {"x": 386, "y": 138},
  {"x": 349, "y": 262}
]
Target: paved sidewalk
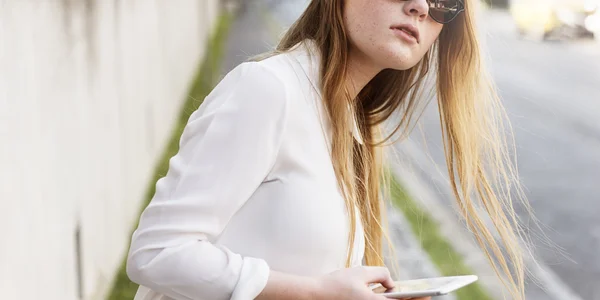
[{"x": 256, "y": 30}]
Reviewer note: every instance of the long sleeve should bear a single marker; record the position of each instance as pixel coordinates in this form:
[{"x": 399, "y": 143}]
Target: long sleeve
[{"x": 228, "y": 147}]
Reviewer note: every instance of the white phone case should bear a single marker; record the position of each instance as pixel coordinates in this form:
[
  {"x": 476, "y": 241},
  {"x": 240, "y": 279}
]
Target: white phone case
[{"x": 425, "y": 287}]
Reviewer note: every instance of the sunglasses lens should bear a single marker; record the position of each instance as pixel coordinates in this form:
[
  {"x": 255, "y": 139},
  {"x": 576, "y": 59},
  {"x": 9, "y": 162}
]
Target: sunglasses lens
[{"x": 444, "y": 11}]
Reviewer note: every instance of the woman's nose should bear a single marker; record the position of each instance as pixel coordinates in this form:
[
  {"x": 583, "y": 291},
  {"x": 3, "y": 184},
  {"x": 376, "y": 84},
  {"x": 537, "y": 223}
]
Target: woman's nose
[{"x": 417, "y": 8}]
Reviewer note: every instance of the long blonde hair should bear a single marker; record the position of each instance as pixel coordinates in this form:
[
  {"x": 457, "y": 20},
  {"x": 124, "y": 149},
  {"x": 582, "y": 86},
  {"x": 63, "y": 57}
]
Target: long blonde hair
[{"x": 481, "y": 172}]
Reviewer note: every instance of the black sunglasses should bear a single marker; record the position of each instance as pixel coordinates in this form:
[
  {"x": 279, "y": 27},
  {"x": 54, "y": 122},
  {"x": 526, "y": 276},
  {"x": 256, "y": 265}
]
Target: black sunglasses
[{"x": 445, "y": 11}]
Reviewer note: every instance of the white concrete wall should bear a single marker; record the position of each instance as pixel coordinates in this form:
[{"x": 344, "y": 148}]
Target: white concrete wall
[{"x": 89, "y": 90}]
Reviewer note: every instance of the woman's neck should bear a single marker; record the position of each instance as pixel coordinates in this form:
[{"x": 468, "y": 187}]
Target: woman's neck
[{"x": 361, "y": 70}]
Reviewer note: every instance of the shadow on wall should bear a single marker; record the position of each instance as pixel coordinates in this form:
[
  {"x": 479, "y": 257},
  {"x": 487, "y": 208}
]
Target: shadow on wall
[
  {"x": 89, "y": 18},
  {"x": 497, "y": 3}
]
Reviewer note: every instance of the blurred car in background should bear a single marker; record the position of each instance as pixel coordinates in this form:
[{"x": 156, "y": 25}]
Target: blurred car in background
[{"x": 546, "y": 19}]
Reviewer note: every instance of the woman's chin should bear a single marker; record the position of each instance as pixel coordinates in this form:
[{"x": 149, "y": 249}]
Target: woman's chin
[{"x": 400, "y": 58}]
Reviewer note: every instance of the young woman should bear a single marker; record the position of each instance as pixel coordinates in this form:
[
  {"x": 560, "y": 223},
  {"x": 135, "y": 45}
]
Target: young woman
[{"x": 275, "y": 191}]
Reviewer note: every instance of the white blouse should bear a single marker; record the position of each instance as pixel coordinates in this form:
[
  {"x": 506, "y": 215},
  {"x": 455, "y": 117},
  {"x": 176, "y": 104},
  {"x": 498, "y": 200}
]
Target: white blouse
[{"x": 252, "y": 189}]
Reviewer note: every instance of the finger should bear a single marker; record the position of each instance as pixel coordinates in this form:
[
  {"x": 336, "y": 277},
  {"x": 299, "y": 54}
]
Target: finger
[{"x": 379, "y": 275}]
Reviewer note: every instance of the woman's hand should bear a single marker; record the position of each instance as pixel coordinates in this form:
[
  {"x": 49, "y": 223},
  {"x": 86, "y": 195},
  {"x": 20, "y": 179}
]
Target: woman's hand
[{"x": 353, "y": 283}]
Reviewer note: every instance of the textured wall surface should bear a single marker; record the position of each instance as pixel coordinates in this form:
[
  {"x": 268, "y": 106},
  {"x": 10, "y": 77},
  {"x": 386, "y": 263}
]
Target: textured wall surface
[{"x": 89, "y": 91}]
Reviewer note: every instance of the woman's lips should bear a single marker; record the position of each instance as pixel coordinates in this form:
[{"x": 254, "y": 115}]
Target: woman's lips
[{"x": 408, "y": 32}]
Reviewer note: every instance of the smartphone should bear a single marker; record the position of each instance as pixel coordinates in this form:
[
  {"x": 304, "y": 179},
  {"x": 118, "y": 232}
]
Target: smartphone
[{"x": 426, "y": 287}]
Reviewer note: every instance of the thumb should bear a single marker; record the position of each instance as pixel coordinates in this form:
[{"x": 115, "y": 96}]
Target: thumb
[{"x": 379, "y": 275}]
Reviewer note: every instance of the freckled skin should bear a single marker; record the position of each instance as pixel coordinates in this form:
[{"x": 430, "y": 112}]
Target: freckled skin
[{"x": 368, "y": 25}]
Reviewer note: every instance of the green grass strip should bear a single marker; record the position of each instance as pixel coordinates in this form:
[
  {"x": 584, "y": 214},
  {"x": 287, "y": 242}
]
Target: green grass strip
[
  {"x": 447, "y": 260},
  {"x": 206, "y": 78}
]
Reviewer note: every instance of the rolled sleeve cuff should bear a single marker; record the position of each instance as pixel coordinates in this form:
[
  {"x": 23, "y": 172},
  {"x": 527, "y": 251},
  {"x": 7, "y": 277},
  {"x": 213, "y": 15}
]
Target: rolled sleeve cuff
[{"x": 253, "y": 279}]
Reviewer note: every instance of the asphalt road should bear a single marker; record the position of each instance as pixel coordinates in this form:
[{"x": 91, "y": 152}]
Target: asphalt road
[{"x": 552, "y": 94}]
